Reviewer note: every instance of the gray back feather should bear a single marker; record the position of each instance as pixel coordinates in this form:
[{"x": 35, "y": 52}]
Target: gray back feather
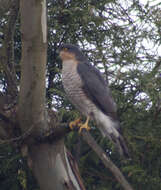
[{"x": 95, "y": 87}]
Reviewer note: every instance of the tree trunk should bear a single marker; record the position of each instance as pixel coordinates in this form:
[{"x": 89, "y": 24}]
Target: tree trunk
[
  {"x": 33, "y": 65},
  {"x": 52, "y": 167},
  {"x": 50, "y": 164}
]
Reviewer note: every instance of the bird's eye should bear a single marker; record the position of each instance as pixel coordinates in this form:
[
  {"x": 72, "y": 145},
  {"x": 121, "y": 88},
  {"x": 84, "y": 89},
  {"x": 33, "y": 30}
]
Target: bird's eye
[{"x": 65, "y": 49}]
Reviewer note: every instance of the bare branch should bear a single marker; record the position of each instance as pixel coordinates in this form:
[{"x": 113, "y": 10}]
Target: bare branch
[
  {"x": 106, "y": 160},
  {"x": 18, "y": 139}
]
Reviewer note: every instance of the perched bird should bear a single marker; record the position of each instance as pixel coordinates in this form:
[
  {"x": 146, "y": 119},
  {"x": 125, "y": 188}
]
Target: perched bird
[{"x": 89, "y": 92}]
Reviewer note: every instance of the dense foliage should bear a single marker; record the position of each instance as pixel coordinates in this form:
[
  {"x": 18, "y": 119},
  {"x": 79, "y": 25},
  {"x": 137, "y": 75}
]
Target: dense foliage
[{"x": 122, "y": 39}]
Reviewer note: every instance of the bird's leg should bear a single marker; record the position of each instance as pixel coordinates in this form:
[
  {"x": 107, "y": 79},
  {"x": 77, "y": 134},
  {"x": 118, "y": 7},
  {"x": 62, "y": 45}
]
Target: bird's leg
[
  {"x": 75, "y": 123},
  {"x": 85, "y": 125}
]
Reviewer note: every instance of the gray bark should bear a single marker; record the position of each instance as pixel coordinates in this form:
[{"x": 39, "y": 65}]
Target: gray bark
[
  {"x": 49, "y": 162},
  {"x": 33, "y": 66},
  {"x": 52, "y": 168}
]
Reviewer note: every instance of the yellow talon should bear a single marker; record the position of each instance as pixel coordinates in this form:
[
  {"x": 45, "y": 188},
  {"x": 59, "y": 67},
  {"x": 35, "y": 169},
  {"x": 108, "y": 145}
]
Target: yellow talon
[
  {"x": 74, "y": 123},
  {"x": 84, "y": 126}
]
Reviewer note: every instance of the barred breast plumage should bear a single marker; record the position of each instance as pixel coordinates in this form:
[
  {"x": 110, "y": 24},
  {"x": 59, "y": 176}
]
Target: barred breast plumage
[{"x": 73, "y": 87}]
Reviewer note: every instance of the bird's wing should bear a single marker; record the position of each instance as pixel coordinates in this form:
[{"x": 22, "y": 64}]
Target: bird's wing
[{"x": 96, "y": 89}]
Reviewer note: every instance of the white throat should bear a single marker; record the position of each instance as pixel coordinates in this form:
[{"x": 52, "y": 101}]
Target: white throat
[{"x": 69, "y": 64}]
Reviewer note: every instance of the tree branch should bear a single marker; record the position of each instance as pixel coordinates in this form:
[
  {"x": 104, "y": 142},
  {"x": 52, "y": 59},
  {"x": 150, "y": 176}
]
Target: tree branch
[{"x": 106, "y": 160}]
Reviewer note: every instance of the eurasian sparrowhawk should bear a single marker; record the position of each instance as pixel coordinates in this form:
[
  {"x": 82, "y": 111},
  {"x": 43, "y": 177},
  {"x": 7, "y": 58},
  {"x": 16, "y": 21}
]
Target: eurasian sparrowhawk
[{"x": 89, "y": 92}]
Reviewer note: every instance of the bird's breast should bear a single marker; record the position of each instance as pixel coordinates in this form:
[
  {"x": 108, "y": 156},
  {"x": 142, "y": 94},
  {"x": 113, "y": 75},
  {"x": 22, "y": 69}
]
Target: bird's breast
[
  {"x": 73, "y": 84},
  {"x": 71, "y": 79}
]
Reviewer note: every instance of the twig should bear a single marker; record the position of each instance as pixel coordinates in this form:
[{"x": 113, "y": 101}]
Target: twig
[
  {"x": 21, "y": 137},
  {"x": 54, "y": 134}
]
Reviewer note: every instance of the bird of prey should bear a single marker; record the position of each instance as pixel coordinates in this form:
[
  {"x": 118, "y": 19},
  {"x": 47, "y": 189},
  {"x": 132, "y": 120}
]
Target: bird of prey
[{"x": 89, "y": 93}]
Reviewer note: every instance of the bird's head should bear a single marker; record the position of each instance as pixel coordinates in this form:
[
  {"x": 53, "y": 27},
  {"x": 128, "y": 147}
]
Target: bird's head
[{"x": 70, "y": 52}]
